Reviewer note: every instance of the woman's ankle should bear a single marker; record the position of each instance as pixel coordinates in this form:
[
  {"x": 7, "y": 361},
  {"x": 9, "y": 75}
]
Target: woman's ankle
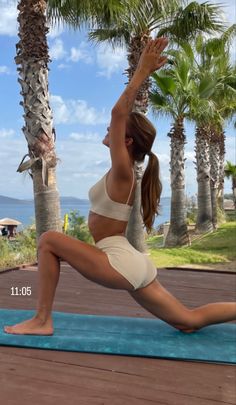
[{"x": 43, "y": 317}]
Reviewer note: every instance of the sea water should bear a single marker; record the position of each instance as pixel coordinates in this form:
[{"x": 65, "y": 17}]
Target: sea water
[{"x": 24, "y": 212}]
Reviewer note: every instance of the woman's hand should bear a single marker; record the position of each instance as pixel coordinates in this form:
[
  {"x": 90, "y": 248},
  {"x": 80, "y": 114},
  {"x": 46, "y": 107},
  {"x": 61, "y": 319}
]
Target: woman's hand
[{"x": 151, "y": 59}]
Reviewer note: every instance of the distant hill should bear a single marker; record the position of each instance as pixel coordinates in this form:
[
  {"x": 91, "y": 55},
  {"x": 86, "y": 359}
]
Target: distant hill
[
  {"x": 73, "y": 200},
  {"x": 13, "y": 201},
  {"x": 64, "y": 200}
]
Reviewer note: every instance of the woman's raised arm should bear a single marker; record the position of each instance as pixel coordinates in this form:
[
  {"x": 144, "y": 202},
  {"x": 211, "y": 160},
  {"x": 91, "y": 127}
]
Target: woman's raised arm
[{"x": 150, "y": 60}]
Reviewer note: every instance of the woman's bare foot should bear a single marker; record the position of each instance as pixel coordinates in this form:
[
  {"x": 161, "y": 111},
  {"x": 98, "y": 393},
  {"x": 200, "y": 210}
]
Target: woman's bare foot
[{"x": 34, "y": 326}]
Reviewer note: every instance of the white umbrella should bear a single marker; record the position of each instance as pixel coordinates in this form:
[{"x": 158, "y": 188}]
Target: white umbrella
[{"x": 9, "y": 221}]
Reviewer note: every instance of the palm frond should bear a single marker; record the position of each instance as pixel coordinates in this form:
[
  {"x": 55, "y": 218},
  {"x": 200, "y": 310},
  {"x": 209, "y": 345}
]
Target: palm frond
[
  {"x": 77, "y": 12},
  {"x": 115, "y": 36},
  {"x": 193, "y": 19},
  {"x": 207, "y": 86},
  {"x": 165, "y": 83},
  {"x": 158, "y": 100}
]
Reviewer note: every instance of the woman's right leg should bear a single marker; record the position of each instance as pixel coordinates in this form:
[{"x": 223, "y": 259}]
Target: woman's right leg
[{"x": 157, "y": 300}]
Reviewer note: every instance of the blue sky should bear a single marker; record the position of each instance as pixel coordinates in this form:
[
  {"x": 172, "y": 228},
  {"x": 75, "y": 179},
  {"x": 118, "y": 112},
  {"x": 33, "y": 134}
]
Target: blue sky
[{"x": 84, "y": 83}]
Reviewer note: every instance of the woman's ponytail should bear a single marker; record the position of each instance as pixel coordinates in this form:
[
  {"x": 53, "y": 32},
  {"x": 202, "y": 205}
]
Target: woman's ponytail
[{"x": 151, "y": 191}]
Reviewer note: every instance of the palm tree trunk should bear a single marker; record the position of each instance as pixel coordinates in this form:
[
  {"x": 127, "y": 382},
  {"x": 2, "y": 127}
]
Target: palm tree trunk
[
  {"x": 178, "y": 231},
  {"x": 135, "y": 233},
  {"x": 214, "y": 173},
  {"x": 204, "y": 215},
  {"x": 220, "y": 191},
  {"x": 32, "y": 60},
  {"x": 135, "y": 48},
  {"x": 234, "y": 190}
]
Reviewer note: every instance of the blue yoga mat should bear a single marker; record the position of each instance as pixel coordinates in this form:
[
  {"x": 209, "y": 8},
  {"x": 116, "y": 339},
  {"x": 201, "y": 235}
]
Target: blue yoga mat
[{"x": 125, "y": 336}]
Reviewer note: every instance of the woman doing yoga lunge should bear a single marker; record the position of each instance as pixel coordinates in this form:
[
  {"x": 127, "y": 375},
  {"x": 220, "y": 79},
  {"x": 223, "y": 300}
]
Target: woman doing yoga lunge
[{"x": 113, "y": 262}]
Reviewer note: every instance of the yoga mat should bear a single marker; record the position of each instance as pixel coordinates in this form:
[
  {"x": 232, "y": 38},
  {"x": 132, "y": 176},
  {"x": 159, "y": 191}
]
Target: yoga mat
[{"x": 125, "y": 336}]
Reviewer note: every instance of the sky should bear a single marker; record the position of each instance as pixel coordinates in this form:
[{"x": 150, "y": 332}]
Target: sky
[{"x": 84, "y": 83}]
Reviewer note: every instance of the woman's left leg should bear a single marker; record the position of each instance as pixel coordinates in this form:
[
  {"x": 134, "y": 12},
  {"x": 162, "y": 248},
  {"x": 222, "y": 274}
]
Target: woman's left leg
[
  {"x": 88, "y": 260},
  {"x": 161, "y": 303}
]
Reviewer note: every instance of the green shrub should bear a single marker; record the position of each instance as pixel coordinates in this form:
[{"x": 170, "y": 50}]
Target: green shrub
[
  {"x": 17, "y": 251},
  {"x": 78, "y": 228}
]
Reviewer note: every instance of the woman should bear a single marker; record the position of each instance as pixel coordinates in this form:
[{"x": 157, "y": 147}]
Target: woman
[{"x": 113, "y": 262}]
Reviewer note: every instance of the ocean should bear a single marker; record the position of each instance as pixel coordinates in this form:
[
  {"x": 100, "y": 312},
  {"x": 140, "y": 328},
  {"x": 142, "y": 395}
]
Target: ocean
[{"x": 24, "y": 212}]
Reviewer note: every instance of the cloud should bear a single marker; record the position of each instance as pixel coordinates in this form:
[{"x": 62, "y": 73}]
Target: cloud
[
  {"x": 80, "y": 53},
  {"x": 110, "y": 61},
  {"x": 63, "y": 66},
  {"x": 8, "y": 18},
  {"x": 55, "y": 31},
  {"x": 57, "y": 51},
  {"x": 76, "y": 111},
  {"x": 190, "y": 155},
  {"x": 80, "y": 166},
  {"x": 91, "y": 137},
  {"x": 4, "y": 70},
  {"x": 6, "y": 133},
  {"x": 229, "y": 9},
  {"x": 163, "y": 157}
]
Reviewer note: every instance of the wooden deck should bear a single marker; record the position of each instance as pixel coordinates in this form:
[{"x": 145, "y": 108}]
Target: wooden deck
[{"x": 43, "y": 377}]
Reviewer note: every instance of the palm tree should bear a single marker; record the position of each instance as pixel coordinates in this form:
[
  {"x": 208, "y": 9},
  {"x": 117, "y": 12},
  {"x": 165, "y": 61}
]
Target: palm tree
[
  {"x": 178, "y": 94},
  {"x": 230, "y": 172},
  {"x": 224, "y": 97},
  {"x": 131, "y": 23},
  {"x": 215, "y": 140},
  {"x": 32, "y": 60},
  {"x": 204, "y": 212},
  {"x": 170, "y": 96},
  {"x": 214, "y": 62}
]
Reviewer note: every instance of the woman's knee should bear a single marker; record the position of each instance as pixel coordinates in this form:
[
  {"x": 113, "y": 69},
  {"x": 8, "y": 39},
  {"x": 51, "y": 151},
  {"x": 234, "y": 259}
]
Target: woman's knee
[
  {"x": 46, "y": 239},
  {"x": 193, "y": 321}
]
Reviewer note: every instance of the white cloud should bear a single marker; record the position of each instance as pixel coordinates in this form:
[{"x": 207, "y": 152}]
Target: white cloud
[
  {"x": 111, "y": 61},
  {"x": 229, "y": 9},
  {"x": 163, "y": 157},
  {"x": 4, "y": 70},
  {"x": 55, "y": 31},
  {"x": 80, "y": 166},
  {"x": 190, "y": 155},
  {"x": 80, "y": 53},
  {"x": 91, "y": 137},
  {"x": 63, "y": 66},
  {"x": 8, "y": 16},
  {"x": 57, "y": 50},
  {"x": 76, "y": 111},
  {"x": 6, "y": 133},
  {"x": 60, "y": 110}
]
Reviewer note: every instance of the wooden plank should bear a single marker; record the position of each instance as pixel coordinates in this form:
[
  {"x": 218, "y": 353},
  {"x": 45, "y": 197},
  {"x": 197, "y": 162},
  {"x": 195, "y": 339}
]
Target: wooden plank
[
  {"x": 51, "y": 377},
  {"x": 137, "y": 379}
]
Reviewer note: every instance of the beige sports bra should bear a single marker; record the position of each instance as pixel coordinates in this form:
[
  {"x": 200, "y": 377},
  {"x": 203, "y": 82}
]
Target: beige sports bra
[{"x": 102, "y": 204}]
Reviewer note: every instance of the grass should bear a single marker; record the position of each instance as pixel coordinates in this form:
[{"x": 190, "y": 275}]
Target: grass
[{"x": 216, "y": 247}]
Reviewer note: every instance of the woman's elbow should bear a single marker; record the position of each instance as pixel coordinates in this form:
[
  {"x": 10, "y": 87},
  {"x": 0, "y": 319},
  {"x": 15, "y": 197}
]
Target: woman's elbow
[{"x": 118, "y": 112}]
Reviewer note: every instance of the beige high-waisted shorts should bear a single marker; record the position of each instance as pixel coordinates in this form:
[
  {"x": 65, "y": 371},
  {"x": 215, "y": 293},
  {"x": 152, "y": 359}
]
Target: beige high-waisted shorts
[{"x": 132, "y": 264}]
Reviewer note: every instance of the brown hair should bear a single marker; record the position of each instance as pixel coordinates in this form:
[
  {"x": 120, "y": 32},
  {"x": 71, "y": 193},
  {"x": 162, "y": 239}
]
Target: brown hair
[{"x": 143, "y": 133}]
